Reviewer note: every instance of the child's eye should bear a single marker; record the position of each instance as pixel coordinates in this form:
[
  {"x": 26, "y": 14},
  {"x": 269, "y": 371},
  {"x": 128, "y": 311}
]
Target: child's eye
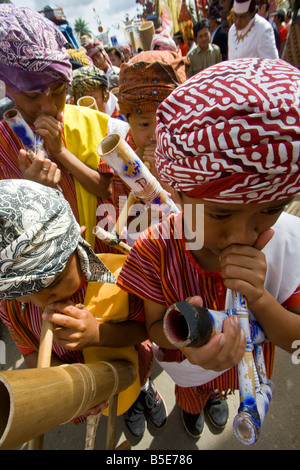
[
  {"x": 58, "y": 91},
  {"x": 32, "y": 96},
  {"x": 273, "y": 211},
  {"x": 55, "y": 283}
]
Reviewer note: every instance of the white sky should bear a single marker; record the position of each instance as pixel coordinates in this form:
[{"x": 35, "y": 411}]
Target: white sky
[{"x": 111, "y": 13}]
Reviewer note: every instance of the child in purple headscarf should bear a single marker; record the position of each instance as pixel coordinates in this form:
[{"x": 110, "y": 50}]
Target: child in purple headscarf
[{"x": 35, "y": 67}]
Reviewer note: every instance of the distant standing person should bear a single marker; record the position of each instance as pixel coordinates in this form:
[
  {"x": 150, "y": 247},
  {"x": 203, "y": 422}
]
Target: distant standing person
[
  {"x": 116, "y": 56},
  {"x": 279, "y": 20},
  {"x": 178, "y": 38},
  {"x": 218, "y": 34},
  {"x": 205, "y": 54},
  {"x": 250, "y": 35},
  {"x": 95, "y": 50},
  {"x": 263, "y": 10}
]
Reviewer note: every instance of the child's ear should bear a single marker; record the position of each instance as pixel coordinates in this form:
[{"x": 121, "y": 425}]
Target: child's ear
[{"x": 107, "y": 96}]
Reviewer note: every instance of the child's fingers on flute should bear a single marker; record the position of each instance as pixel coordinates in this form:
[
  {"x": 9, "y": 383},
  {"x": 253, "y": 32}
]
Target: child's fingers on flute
[{"x": 195, "y": 300}]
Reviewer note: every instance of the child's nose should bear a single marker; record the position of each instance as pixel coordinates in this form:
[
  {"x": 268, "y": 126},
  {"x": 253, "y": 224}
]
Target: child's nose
[
  {"x": 242, "y": 232},
  {"x": 48, "y": 105}
]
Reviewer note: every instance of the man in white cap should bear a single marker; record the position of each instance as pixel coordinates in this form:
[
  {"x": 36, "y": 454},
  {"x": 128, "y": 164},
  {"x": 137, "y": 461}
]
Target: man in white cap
[{"x": 250, "y": 35}]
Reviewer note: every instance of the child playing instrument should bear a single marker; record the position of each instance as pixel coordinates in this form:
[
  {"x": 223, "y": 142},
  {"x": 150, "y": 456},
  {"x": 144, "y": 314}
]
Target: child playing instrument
[
  {"x": 145, "y": 82},
  {"x": 228, "y": 142},
  {"x": 70, "y": 134},
  {"x": 46, "y": 264},
  {"x": 91, "y": 81}
]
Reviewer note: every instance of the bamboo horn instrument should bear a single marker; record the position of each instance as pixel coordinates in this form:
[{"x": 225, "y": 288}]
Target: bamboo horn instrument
[
  {"x": 88, "y": 102},
  {"x": 122, "y": 219},
  {"x": 33, "y": 401},
  {"x": 115, "y": 151},
  {"x": 186, "y": 325},
  {"x": 146, "y": 31},
  {"x": 31, "y": 142},
  {"x": 111, "y": 240},
  {"x": 254, "y": 396},
  {"x": 20, "y": 127}
]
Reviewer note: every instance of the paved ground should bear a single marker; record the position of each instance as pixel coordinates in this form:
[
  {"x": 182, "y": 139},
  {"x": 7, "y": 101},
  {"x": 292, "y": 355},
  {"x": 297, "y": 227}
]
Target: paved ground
[{"x": 281, "y": 430}]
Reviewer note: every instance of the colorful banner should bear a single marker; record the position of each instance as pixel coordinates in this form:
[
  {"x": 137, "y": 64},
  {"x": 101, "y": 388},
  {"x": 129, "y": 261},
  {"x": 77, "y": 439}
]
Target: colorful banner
[{"x": 166, "y": 18}]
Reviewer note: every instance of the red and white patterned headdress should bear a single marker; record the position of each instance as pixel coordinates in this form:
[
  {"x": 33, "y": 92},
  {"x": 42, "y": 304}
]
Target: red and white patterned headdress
[{"x": 231, "y": 133}]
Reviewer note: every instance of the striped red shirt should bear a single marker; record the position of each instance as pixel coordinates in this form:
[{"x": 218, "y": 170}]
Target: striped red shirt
[{"x": 160, "y": 269}]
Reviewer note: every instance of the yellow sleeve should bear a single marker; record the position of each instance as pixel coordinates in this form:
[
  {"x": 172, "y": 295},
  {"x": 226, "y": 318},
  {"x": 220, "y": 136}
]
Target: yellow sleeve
[{"x": 84, "y": 129}]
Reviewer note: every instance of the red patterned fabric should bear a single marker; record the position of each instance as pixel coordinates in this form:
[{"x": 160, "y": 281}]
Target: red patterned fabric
[{"x": 231, "y": 133}]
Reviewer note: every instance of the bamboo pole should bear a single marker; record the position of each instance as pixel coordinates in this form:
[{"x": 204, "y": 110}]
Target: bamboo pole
[
  {"x": 44, "y": 360},
  {"x": 122, "y": 219},
  {"x": 111, "y": 425}
]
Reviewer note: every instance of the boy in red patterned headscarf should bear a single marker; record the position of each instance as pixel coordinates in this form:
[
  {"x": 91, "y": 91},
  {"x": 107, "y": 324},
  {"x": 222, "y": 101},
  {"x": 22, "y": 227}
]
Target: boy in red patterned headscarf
[{"x": 228, "y": 142}]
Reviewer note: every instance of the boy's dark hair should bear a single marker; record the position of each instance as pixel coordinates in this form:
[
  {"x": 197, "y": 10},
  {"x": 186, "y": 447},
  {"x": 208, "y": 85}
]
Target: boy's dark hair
[
  {"x": 200, "y": 25},
  {"x": 252, "y": 7},
  {"x": 280, "y": 15},
  {"x": 116, "y": 51},
  {"x": 178, "y": 36}
]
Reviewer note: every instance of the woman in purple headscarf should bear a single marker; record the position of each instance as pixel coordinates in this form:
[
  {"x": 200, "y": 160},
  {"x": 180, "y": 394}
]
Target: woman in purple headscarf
[{"x": 35, "y": 67}]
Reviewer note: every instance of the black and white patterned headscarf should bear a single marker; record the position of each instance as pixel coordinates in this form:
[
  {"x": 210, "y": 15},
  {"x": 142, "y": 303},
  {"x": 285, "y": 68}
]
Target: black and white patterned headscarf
[{"x": 38, "y": 234}]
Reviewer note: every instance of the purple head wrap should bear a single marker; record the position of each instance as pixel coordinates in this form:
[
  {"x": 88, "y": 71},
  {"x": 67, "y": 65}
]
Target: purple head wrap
[{"x": 32, "y": 52}]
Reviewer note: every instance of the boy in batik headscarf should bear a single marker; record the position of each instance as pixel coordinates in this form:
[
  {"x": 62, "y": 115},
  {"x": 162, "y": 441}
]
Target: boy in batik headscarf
[
  {"x": 96, "y": 51},
  {"x": 228, "y": 142},
  {"x": 91, "y": 81},
  {"x": 144, "y": 83},
  {"x": 36, "y": 69}
]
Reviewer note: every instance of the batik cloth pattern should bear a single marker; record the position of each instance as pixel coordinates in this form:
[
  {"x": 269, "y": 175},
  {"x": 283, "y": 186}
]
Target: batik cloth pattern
[
  {"x": 32, "y": 55},
  {"x": 87, "y": 78},
  {"x": 38, "y": 234},
  {"x": 147, "y": 79},
  {"x": 231, "y": 133}
]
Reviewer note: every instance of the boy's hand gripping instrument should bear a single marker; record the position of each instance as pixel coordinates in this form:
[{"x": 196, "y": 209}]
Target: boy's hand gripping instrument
[{"x": 188, "y": 325}]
